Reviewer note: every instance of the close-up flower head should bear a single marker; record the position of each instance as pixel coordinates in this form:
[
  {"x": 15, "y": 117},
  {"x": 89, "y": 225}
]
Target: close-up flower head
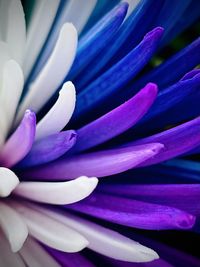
[{"x": 99, "y": 133}]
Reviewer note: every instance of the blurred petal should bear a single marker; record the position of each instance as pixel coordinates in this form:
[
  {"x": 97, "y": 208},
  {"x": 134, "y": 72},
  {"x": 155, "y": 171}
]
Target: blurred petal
[
  {"x": 12, "y": 85},
  {"x": 13, "y": 226},
  {"x": 15, "y": 35},
  {"x": 34, "y": 255},
  {"x": 7, "y": 257},
  {"x": 40, "y": 25}
]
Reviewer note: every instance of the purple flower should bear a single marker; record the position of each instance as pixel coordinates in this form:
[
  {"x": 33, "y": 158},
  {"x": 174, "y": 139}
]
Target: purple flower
[{"x": 129, "y": 124}]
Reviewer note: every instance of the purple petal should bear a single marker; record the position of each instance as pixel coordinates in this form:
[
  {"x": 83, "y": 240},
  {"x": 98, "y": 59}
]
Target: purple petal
[
  {"x": 98, "y": 164},
  {"x": 69, "y": 259},
  {"x": 20, "y": 142},
  {"x": 49, "y": 148},
  {"x": 177, "y": 141},
  {"x": 155, "y": 263},
  {"x": 190, "y": 74},
  {"x": 170, "y": 195},
  {"x": 134, "y": 213},
  {"x": 115, "y": 78},
  {"x": 116, "y": 121}
]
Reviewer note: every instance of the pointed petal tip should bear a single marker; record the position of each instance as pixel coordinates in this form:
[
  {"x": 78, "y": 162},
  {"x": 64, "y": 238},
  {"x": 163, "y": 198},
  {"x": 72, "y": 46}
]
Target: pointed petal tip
[
  {"x": 156, "y": 33},
  {"x": 186, "y": 222},
  {"x": 147, "y": 254},
  {"x": 151, "y": 89}
]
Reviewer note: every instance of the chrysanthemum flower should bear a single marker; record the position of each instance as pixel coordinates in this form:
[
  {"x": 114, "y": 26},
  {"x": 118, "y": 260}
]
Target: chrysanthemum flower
[{"x": 122, "y": 132}]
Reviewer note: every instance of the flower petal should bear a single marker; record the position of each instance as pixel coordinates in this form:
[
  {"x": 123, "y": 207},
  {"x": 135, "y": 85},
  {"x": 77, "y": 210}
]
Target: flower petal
[
  {"x": 116, "y": 121},
  {"x": 171, "y": 195},
  {"x": 8, "y": 181},
  {"x": 86, "y": 9},
  {"x": 49, "y": 149},
  {"x": 70, "y": 259},
  {"x": 20, "y": 141},
  {"x": 173, "y": 104},
  {"x": 40, "y": 25},
  {"x": 112, "y": 80},
  {"x": 12, "y": 85},
  {"x": 34, "y": 255},
  {"x": 177, "y": 141},
  {"x": 7, "y": 257},
  {"x": 13, "y": 226},
  {"x": 98, "y": 37},
  {"x": 62, "y": 109},
  {"x": 133, "y": 213},
  {"x": 99, "y": 164},
  {"x": 49, "y": 230},
  {"x": 127, "y": 37},
  {"x": 53, "y": 73},
  {"x": 163, "y": 76},
  {"x": 15, "y": 30},
  {"x": 60, "y": 193},
  {"x": 103, "y": 240}
]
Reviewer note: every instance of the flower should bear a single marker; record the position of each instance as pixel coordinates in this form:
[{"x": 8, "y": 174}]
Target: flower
[{"x": 122, "y": 132}]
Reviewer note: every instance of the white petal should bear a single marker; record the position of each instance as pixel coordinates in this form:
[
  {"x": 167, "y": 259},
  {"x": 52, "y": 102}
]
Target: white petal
[
  {"x": 74, "y": 7},
  {"x": 12, "y": 85},
  {"x": 35, "y": 256},
  {"x": 16, "y": 30},
  {"x": 105, "y": 241},
  {"x": 8, "y": 182},
  {"x": 7, "y": 257},
  {"x": 55, "y": 70},
  {"x": 4, "y": 57},
  {"x": 13, "y": 227},
  {"x": 132, "y": 5},
  {"x": 38, "y": 29},
  {"x": 60, "y": 193},
  {"x": 62, "y": 109},
  {"x": 50, "y": 231}
]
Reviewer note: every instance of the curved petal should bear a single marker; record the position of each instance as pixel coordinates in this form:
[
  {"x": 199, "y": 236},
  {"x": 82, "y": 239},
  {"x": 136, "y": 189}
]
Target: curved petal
[
  {"x": 116, "y": 121},
  {"x": 99, "y": 164},
  {"x": 20, "y": 141},
  {"x": 50, "y": 231},
  {"x": 59, "y": 193},
  {"x": 105, "y": 241},
  {"x": 62, "y": 109},
  {"x": 49, "y": 149},
  {"x": 53, "y": 73},
  {"x": 177, "y": 141},
  {"x": 8, "y": 182}
]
